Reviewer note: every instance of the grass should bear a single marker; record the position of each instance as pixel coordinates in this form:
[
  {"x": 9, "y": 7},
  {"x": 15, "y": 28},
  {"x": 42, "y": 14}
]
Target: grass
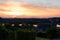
[{"x": 38, "y": 38}]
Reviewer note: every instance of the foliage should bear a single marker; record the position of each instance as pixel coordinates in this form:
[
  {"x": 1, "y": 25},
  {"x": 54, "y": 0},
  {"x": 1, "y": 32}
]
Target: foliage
[
  {"x": 51, "y": 32},
  {"x": 17, "y": 33}
]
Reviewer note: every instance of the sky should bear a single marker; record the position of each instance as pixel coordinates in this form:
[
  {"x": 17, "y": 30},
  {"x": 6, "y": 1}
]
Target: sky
[{"x": 29, "y": 8}]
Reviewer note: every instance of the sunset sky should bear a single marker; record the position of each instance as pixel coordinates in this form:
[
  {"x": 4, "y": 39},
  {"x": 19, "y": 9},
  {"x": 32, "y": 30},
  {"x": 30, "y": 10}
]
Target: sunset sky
[{"x": 29, "y": 8}]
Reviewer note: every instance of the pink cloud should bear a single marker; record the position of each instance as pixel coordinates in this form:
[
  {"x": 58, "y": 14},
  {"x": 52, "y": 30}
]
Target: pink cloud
[{"x": 33, "y": 11}]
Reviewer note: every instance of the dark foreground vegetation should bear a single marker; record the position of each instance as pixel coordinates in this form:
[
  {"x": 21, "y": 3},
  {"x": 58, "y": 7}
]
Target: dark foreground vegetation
[
  {"x": 25, "y": 32},
  {"x": 51, "y": 33},
  {"x": 15, "y": 33},
  {"x": 29, "y": 29}
]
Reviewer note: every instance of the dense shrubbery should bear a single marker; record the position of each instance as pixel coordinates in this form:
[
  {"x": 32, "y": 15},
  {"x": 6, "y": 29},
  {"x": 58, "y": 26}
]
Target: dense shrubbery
[
  {"x": 25, "y": 32},
  {"x": 53, "y": 32},
  {"x": 16, "y": 33}
]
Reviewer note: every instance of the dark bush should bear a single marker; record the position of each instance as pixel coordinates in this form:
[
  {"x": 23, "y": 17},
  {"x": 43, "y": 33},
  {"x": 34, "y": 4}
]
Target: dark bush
[
  {"x": 17, "y": 33},
  {"x": 25, "y": 34}
]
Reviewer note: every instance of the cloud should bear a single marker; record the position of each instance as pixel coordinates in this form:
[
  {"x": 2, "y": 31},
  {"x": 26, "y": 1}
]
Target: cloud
[
  {"x": 29, "y": 11},
  {"x": 6, "y": 0},
  {"x": 42, "y": 3}
]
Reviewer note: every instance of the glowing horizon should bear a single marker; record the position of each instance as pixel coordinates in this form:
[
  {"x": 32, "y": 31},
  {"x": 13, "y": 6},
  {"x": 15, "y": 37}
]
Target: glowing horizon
[{"x": 25, "y": 10}]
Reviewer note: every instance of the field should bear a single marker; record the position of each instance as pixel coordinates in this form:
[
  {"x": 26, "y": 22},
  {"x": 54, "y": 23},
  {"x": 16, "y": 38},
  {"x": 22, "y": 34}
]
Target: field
[{"x": 38, "y": 38}]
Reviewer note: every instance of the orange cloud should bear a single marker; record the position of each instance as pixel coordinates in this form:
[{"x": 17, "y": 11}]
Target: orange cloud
[
  {"x": 27, "y": 10},
  {"x": 43, "y": 12}
]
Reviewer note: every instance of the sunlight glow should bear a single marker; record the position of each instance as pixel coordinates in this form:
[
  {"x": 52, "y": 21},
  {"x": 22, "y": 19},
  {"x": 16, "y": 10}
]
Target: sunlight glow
[
  {"x": 25, "y": 10},
  {"x": 15, "y": 13}
]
